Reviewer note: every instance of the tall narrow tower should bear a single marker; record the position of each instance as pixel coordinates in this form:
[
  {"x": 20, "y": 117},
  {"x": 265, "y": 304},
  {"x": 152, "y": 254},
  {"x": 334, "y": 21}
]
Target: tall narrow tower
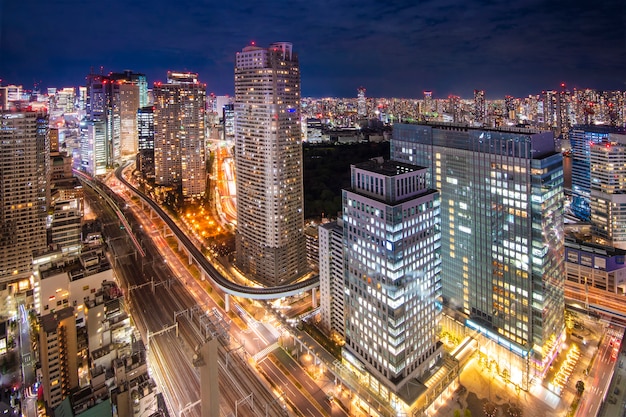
[
  {"x": 479, "y": 107},
  {"x": 24, "y": 181},
  {"x": 268, "y": 156},
  {"x": 361, "y": 103}
]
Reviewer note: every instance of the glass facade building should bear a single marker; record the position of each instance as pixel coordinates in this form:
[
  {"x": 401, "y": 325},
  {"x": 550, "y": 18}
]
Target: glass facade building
[
  {"x": 581, "y": 140},
  {"x": 392, "y": 275},
  {"x": 502, "y": 232}
]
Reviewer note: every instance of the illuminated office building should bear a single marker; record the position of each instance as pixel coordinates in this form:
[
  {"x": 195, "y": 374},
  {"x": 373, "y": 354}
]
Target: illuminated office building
[
  {"x": 102, "y": 110},
  {"x": 93, "y": 147},
  {"x": 179, "y": 133},
  {"x": 133, "y": 94},
  {"x": 392, "y": 264},
  {"x": 583, "y": 139},
  {"x": 599, "y": 181},
  {"x": 502, "y": 233},
  {"x": 24, "y": 188},
  {"x": 331, "y": 277},
  {"x": 145, "y": 136},
  {"x": 228, "y": 121},
  {"x": 268, "y": 158},
  {"x": 479, "y": 111},
  {"x": 361, "y": 103}
]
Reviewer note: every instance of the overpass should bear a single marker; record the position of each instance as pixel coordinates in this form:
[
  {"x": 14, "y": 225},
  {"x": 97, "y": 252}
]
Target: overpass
[{"x": 208, "y": 270}]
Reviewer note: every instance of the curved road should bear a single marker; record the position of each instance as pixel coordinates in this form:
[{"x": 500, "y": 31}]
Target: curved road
[{"x": 222, "y": 282}]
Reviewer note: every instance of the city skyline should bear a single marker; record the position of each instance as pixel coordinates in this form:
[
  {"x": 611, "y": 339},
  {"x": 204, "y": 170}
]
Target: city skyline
[{"x": 393, "y": 50}]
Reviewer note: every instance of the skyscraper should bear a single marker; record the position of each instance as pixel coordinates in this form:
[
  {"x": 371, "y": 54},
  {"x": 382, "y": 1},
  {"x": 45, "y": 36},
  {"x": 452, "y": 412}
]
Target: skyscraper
[
  {"x": 133, "y": 94},
  {"x": 103, "y": 112},
  {"x": 268, "y": 157},
  {"x": 145, "y": 136},
  {"x": 479, "y": 111},
  {"x": 331, "y": 277},
  {"x": 24, "y": 185},
  {"x": 392, "y": 273},
  {"x": 608, "y": 191},
  {"x": 502, "y": 233},
  {"x": 599, "y": 181},
  {"x": 179, "y": 134},
  {"x": 582, "y": 138},
  {"x": 361, "y": 102}
]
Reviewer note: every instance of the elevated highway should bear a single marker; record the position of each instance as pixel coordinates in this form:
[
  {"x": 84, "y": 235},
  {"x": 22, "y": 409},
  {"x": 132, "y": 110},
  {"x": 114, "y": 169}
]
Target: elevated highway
[{"x": 209, "y": 271}]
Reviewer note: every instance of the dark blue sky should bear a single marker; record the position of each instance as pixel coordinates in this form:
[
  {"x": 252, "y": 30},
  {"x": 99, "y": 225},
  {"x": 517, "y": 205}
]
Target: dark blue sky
[{"x": 393, "y": 48}]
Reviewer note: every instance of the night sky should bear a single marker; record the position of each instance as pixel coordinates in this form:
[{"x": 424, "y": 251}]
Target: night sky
[{"x": 392, "y": 48}]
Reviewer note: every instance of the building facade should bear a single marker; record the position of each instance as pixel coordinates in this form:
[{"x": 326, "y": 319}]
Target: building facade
[
  {"x": 24, "y": 185},
  {"x": 480, "y": 110},
  {"x": 145, "y": 129},
  {"x": 103, "y": 109},
  {"x": 392, "y": 275},
  {"x": 608, "y": 191},
  {"x": 591, "y": 266},
  {"x": 268, "y": 161},
  {"x": 179, "y": 133},
  {"x": 502, "y": 232},
  {"x": 599, "y": 181},
  {"x": 58, "y": 354},
  {"x": 331, "y": 271},
  {"x": 582, "y": 138}
]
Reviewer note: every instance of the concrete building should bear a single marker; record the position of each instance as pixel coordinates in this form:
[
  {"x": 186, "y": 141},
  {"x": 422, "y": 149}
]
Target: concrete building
[
  {"x": 268, "y": 157},
  {"x": 179, "y": 133},
  {"x": 58, "y": 355},
  {"x": 392, "y": 275},
  {"x": 331, "y": 271},
  {"x": 66, "y": 226},
  {"x": 479, "y": 112},
  {"x": 502, "y": 233},
  {"x": 24, "y": 185}
]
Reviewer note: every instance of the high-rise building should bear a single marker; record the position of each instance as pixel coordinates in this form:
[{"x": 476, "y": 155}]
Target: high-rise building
[
  {"x": 582, "y": 139},
  {"x": 24, "y": 191},
  {"x": 599, "y": 181},
  {"x": 179, "y": 133},
  {"x": 361, "y": 103},
  {"x": 331, "y": 277},
  {"x": 268, "y": 158},
  {"x": 428, "y": 102},
  {"x": 102, "y": 110},
  {"x": 93, "y": 146},
  {"x": 145, "y": 136},
  {"x": 228, "y": 121},
  {"x": 550, "y": 109},
  {"x": 502, "y": 233},
  {"x": 65, "y": 228},
  {"x": 59, "y": 362},
  {"x": 480, "y": 111},
  {"x": 392, "y": 274},
  {"x": 133, "y": 94},
  {"x": 454, "y": 108}
]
